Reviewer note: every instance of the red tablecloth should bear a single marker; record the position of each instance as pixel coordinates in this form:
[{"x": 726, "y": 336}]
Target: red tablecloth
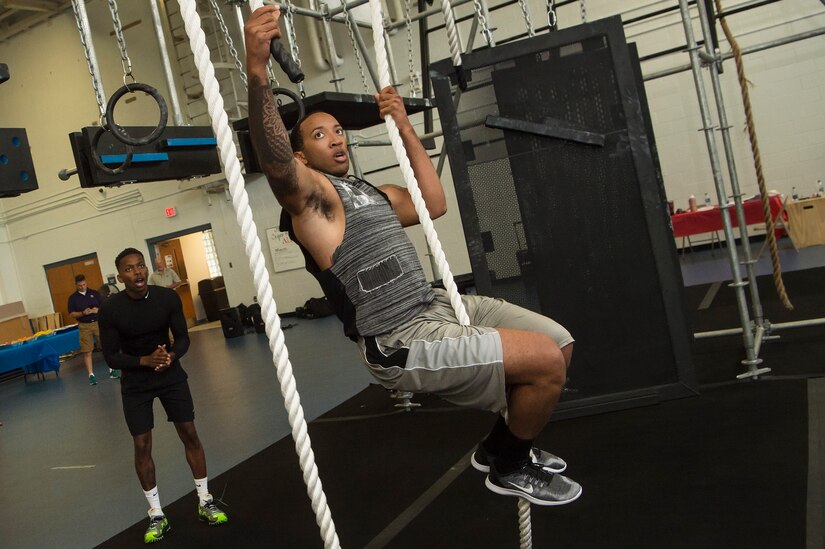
[{"x": 709, "y": 220}]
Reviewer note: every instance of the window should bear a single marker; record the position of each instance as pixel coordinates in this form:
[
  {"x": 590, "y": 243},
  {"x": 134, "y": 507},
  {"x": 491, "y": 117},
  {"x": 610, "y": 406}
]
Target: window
[{"x": 211, "y": 254}]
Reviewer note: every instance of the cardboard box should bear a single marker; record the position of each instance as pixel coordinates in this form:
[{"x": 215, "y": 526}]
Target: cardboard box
[{"x": 46, "y": 322}]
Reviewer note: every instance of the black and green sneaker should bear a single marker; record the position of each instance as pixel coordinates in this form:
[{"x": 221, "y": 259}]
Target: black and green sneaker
[
  {"x": 158, "y": 527},
  {"x": 211, "y": 514}
]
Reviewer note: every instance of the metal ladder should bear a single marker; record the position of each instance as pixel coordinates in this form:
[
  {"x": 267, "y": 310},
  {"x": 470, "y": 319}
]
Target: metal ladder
[{"x": 231, "y": 85}]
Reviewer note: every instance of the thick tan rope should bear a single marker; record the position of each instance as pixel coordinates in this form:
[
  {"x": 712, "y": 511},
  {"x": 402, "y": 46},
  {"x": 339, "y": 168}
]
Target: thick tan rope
[{"x": 757, "y": 160}]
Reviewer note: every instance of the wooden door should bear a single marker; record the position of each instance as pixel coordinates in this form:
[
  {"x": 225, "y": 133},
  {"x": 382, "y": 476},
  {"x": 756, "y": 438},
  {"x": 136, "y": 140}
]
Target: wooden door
[
  {"x": 61, "y": 283},
  {"x": 172, "y": 253}
]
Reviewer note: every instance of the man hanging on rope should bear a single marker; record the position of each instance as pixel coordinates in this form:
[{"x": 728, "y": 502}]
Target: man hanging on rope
[
  {"x": 408, "y": 336},
  {"x": 134, "y": 329}
]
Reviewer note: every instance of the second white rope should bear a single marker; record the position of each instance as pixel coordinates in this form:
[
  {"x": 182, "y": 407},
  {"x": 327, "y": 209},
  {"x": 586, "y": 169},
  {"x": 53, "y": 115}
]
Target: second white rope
[{"x": 252, "y": 244}]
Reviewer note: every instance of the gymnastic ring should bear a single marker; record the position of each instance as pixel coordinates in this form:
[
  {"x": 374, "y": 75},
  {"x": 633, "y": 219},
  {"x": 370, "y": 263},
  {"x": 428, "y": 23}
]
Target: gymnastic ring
[
  {"x": 99, "y": 163},
  {"x": 296, "y": 98},
  {"x": 119, "y": 132}
]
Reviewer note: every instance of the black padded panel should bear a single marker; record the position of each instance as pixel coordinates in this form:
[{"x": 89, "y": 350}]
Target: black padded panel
[
  {"x": 175, "y": 157},
  {"x": 354, "y": 111},
  {"x": 575, "y": 226},
  {"x": 16, "y": 166}
]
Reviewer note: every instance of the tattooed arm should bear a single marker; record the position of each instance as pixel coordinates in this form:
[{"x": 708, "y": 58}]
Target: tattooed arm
[{"x": 290, "y": 181}]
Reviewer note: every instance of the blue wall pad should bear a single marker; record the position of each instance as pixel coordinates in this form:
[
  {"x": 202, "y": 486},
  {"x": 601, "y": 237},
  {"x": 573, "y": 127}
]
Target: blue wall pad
[
  {"x": 192, "y": 142},
  {"x": 136, "y": 158}
]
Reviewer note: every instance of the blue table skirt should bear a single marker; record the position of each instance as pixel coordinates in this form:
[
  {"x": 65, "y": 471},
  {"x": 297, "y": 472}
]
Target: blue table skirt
[{"x": 41, "y": 354}]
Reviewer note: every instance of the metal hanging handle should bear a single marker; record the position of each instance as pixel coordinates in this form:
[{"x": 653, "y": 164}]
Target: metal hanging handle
[
  {"x": 99, "y": 161},
  {"x": 286, "y": 62},
  {"x": 294, "y": 96},
  {"x": 120, "y": 132}
]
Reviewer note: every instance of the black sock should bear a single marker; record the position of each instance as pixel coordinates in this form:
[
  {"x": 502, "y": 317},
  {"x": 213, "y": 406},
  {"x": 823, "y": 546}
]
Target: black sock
[
  {"x": 495, "y": 440},
  {"x": 514, "y": 452}
]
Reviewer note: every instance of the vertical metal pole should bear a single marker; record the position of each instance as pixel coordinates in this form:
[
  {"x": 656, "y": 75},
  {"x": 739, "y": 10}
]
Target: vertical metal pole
[
  {"x": 332, "y": 55},
  {"x": 751, "y": 360},
  {"x": 424, "y": 50},
  {"x": 390, "y": 58},
  {"x": 756, "y": 303},
  {"x": 456, "y": 99},
  {"x": 95, "y": 68},
  {"x": 443, "y": 154},
  {"x": 167, "y": 65},
  {"x": 365, "y": 54},
  {"x": 397, "y": 9},
  {"x": 239, "y": 17}
]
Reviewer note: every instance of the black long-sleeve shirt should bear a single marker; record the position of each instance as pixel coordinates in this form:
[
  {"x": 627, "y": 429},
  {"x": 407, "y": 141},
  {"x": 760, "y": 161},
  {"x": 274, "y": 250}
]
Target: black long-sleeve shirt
[{"x": 132, "y": 328}]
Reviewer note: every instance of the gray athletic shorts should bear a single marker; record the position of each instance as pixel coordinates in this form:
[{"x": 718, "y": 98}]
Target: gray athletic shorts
[{"x": 464, "y": 365}]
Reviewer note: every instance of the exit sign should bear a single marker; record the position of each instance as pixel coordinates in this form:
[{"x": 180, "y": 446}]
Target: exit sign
[{"x": 170, "y": 212}]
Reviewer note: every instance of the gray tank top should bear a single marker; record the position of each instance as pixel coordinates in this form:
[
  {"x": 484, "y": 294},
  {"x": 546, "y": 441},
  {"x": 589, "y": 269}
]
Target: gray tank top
[
  {"x": 376, "y": 267},
  {"x": 376, "y": 262}
]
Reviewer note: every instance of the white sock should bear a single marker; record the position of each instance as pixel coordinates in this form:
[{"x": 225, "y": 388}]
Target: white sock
[
  {"x": 203, "y": 491},
  {"x": 154, "y": 502}
]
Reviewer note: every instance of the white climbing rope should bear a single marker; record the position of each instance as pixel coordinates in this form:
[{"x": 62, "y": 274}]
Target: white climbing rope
[
  {"x": 524, "y": 527},
  {"x": 252, "y": 244},
  {"x": 453, "y": 38},
  {"x": 377, "y": 20},
  {"x": 406, "y": 168}
]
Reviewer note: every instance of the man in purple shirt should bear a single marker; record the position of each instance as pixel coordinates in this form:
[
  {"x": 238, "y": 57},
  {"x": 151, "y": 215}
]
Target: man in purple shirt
[{"x": 83, "y": 307}]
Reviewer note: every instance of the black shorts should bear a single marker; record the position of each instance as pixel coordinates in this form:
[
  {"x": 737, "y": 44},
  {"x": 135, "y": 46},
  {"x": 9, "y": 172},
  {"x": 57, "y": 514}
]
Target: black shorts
[{"x": 176, "y": 400}]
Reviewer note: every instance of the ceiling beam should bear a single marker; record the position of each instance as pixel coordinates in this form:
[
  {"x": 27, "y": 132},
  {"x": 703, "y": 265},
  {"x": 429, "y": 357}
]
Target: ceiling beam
[
  {"x": 6, "y": 13},
  {"x": 46, "y": 6},
  {"x": 7, "y": 31}
]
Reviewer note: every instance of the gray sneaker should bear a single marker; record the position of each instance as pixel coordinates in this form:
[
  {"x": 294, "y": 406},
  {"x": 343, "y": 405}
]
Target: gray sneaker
[
  {"x": 535, "y": 485},
  {"x": 481, "y": 460}
]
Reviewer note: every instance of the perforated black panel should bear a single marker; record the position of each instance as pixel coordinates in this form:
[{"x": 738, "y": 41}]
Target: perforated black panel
[{"x": 575, "y": 226}]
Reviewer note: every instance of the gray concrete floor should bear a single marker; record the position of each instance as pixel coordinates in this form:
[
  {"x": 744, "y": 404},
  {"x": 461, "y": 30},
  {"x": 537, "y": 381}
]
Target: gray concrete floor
[{"x": 66, "y": 455}]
